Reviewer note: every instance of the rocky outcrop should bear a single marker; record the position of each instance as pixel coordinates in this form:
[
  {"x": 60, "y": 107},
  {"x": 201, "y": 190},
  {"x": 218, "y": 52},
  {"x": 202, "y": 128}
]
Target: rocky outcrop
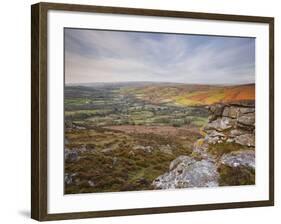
[
  {"x": 231, "y": 131},
  {"x": 233, "y": 123},
  {"x": 187, "y": 172}
]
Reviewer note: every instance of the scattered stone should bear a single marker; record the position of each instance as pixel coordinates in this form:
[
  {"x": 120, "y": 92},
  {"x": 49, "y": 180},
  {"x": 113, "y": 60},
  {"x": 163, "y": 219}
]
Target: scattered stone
[
  {"x": 166, "y": 149},
  {"x": 70, "y": 155},
  {"x": 68, "y": 178},
  {"x": 144, "y": 148},
  {"x": 91, "y": 183},
  {"x": 114, "y": 161},
  {"x": 66, "y": 141},
  {"x": 83, "y": 149},
  {"x": 131, "y": 153},
  {"x": 107, "y": 150}
]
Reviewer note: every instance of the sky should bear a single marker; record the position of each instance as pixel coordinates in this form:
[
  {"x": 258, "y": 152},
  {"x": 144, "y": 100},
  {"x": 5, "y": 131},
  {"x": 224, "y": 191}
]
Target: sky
[{"x": 118, "y": 56}]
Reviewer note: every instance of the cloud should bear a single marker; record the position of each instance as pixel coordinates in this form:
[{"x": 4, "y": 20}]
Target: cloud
[{"x": 113, "y": 56}]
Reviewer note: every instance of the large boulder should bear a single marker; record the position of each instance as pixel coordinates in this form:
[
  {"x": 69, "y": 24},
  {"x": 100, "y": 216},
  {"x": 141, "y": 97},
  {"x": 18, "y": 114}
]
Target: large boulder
[
  {"x": 181, "y": 159},
  {"x": 187, "y": 172},
  {"x": 239, "y": 158},
  {"x": 237, "y": 168}
]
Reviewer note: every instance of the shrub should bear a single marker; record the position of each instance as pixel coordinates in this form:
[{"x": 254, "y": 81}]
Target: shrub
[{"x": 235, "y": 176}]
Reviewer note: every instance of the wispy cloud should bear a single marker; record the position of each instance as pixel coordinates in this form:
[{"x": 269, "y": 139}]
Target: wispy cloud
[{"x": 112, "y": 56}]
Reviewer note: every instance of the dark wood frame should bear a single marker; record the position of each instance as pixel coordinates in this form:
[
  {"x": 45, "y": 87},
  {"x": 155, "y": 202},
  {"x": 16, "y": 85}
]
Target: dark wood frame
[{"x": 39, "y": 110}]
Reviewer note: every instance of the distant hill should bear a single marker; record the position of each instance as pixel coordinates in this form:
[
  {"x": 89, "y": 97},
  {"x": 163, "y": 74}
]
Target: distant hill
[{"x": 192, "y": 94}]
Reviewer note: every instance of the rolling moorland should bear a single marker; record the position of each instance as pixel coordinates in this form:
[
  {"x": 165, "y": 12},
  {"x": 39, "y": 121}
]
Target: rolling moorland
[{"x": 124, "y": 136}]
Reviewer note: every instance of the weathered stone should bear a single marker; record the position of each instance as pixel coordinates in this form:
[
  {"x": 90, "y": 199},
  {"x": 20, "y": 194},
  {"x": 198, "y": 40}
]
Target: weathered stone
[
  {"x": 231, "y": 112},
  {"x": 91, "y": 183},
  {"x": 143, "y": 148},
  {"x": 221, "y": 124},
  {"x": 247, "y": 120},
  {"x": 114, "y": 161},
  {"x": 215, "y": 133},
  {"x": 70, "y": 155},
  {"x": 131, "y": 153},
  {"x": 214, "y": 136},
  {"x": 69, "y": 178},
  {"x": 107, "y": 150},
  {"x": 66, "y": 141},
  {"x": 211, "y": 140},
  {"x": 239, "y": 158},
  {"x": 178, "y": 160},
  {"x": 227, "y": 123},
  {"x": 246, "y": 139},
  {"x": 215, "y": 111},
  {"x": 200, "y": 150},
  {"x": 230, "y": 140},
  {"x": 189, "y": 173},
  {"x": 166, "y": 149},
  {"x": 245, "y": 110},
  {"x": 236, "y": 132}
]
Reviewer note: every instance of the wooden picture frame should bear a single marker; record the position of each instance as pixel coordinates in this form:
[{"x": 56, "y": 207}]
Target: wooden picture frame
[{"x": 39, "y": 108}]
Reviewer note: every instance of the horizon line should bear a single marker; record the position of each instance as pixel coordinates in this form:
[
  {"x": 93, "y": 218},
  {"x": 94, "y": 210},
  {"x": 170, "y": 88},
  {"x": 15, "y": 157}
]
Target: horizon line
[{"x": 167, "y": 82}]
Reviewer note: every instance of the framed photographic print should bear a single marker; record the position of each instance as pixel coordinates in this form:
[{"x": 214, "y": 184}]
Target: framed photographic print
[{"x": 141, "y": 111}]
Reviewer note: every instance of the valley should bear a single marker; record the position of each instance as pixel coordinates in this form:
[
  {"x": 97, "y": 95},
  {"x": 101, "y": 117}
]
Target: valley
[{"x": 122, "y": 136}]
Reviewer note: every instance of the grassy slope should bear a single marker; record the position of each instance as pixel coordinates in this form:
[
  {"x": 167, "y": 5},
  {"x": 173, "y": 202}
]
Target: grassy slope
[{"x": 194, "y": 95}]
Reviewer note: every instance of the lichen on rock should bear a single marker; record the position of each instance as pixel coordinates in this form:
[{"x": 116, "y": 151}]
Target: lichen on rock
[{"x": 187, "y": 172}]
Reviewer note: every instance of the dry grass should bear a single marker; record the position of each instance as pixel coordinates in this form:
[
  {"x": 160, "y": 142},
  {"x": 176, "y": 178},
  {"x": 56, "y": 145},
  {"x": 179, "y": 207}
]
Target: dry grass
[{"x": 124, "y": 167}]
